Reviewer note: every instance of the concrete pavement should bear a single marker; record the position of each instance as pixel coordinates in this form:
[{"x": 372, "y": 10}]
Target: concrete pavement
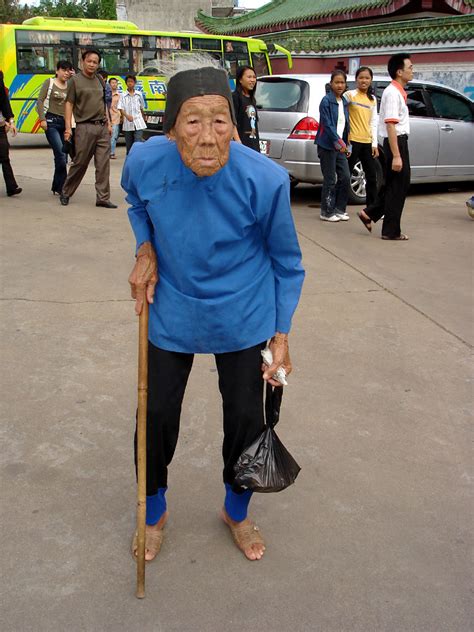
[{"x": 376, "y": 535}]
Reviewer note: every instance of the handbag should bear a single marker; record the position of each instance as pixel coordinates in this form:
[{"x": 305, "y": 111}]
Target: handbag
[{"x": 266, "y": 465}]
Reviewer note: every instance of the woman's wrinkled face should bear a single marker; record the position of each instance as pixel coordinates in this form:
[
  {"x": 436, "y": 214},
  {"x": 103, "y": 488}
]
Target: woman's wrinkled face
[
  {"x": 248, "y": 80},
  {"x": 364, "y": 80},
  {"x": 338, "y": 85},
  {"x": 202, "y": 132}
]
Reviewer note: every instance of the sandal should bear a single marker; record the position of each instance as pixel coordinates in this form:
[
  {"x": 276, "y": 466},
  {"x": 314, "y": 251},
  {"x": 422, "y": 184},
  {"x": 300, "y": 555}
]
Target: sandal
[
  {"x": 245, "y": 535},
  {"x": 153, "y": 542},
  {"x": 401, "y": 237},
  {"x": 367, "y": 222}
]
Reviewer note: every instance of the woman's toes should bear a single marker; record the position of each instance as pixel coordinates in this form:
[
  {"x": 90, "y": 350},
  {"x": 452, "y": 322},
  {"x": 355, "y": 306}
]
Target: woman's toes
[
  {"x": 257, "y": 552},
  {"x": 250, "y": 553}
]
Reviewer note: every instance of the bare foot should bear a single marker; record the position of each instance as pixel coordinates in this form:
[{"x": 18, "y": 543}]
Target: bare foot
[
  {"x": 153, "y": 539},
  {"x": 246, "y": 536}
]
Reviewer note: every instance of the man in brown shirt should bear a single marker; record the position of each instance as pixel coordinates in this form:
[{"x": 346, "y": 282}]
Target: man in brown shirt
[{"x": 85, "y": 99}]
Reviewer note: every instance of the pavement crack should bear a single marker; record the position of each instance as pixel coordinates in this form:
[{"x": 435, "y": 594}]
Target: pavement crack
[
  {"x": 388, "y": 290},
  {"x": 348, "y": 292},
  {"x": 37, "y": 300}
]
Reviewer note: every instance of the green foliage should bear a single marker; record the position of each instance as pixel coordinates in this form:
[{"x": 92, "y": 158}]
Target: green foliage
[
  {"x": 61, "y": 8},
  {"x": 14, "y": 12},
  {"x": 11, "y": 11}
]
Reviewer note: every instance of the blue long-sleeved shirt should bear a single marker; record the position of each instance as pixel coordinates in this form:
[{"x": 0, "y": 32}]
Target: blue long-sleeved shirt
[
  {"x": 327, "y": 136},
  {"x": 228, "y": 256}
]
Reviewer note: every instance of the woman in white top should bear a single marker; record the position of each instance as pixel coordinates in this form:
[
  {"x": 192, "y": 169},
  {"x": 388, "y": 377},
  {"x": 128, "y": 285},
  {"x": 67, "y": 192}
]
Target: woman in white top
[
  {"x": 132, "y": 105},
  {"x": 334, "y": 149}
]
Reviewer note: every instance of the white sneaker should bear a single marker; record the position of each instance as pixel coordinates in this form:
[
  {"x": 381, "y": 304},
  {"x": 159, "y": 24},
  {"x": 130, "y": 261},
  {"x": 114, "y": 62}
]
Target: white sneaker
[
  {"x": 343, "y": 216},
  {"x": 330, "y": 218}
]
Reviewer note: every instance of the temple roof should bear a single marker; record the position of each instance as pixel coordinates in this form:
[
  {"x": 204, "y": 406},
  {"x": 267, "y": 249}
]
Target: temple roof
[
  {"x": 419, "y": 32},
  {"x": 282, "y": 15}
]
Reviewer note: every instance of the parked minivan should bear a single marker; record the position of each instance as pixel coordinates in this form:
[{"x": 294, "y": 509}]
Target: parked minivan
[{"x": 441, "y": 139}]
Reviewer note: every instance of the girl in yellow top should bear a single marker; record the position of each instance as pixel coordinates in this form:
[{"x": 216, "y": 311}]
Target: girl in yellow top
[{"x": 363, "y": 129}]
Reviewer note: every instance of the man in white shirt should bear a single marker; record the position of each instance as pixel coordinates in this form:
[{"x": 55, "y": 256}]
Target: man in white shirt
[
  {"x": 394, "y": 127},
  {"x": 131, "y": 105}
]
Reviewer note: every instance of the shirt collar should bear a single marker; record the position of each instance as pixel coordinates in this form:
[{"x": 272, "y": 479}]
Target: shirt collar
[{"x": 400, "y": 89}]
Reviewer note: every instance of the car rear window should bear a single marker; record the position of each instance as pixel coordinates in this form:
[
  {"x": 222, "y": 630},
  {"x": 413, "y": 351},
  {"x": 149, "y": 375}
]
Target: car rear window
[{"x": 277, "y": 94}]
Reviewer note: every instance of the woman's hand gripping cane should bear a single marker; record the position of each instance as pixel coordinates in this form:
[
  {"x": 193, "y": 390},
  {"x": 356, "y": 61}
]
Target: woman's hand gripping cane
[{"x": 144, "y": 276}]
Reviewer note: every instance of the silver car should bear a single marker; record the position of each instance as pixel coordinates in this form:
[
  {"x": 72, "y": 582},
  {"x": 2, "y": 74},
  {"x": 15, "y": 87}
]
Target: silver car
[{"x": 441, "y": 129}]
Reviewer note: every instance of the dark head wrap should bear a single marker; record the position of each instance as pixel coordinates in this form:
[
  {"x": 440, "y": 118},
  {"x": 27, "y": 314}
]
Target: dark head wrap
[{"x": 195, "y": 83}]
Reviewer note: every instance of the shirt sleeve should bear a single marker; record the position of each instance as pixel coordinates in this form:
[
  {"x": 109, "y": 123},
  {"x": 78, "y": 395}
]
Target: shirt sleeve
[
  {"x": 137, "y": 213},
  {"x": 142, "y": 101},
  {"x": 41, "y": 98},
  {"x": 374, "y": 124},
  {"x": 282, "y": 246},
  {"x": 391, "y": 113},
  {"x": 120, "y": 103},
  {"x": 71, "y": 91}
]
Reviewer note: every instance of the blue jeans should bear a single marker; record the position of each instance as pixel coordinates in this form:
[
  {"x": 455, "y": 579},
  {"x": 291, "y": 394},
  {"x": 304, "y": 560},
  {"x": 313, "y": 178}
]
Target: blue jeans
[
  {"x": 135, "y": 136},
  {"x": 335, "y": 170},
  {"x": 114, "y": 137},
  {"x": 55, "y": 136}
]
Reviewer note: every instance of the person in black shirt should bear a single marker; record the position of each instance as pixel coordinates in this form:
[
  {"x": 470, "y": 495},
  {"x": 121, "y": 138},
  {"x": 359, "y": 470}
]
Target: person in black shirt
[{"x": 245, "y": 107}]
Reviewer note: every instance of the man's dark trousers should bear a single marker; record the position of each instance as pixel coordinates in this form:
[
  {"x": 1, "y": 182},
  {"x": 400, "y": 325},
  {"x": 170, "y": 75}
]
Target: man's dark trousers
[
  {"x": 91, "y": 140},
  {"x": 391, "y": 198},
  {"x": 363, "y": 152},
  {"x": 241, "y": 387},
  {"x": 10, "y": 181}
]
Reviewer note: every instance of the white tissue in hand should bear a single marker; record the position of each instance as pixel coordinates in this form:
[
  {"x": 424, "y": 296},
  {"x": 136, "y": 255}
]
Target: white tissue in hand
[{"x": 280, "y": 375}]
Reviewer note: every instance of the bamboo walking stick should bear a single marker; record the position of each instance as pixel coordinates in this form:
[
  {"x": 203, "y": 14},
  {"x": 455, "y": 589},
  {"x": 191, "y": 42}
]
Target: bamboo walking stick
[{"x": 141, "y": 445}]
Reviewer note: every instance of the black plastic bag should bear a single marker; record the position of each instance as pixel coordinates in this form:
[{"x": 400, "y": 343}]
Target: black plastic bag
[
  {"x": 266, "y": 465},
  {"x": 69, "y": 147}
]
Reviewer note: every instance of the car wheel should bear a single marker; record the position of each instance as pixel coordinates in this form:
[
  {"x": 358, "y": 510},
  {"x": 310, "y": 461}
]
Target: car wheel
[{"x": 357, "y": 185}]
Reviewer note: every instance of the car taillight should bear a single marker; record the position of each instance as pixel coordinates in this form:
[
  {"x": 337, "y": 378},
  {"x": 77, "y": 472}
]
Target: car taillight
[{"x": 306, "y": 129}]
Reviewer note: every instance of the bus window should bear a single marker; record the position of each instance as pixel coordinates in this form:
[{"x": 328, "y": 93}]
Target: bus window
[
  {"x": 43, "y": 37},
  {"x": 102, "y": 40},
  {"x": 260, "y": 64},
  {"x": 115, "y": 61},
  {"x": 42, "y": 59},
  {"x": 150, "y": 62},
  {"x": 235, "y": 54},
  {"x": 206, "y": 44},
  {"x": 148, "y": 52},
  {"x": 172, "y": 43},
  {"x": 113, "y": 48},
  {"x": 40, "y": 51}
]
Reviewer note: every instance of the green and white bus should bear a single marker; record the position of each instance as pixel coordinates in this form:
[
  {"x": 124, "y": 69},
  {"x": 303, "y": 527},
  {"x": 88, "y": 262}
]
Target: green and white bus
[{"x": 30, "y": 51}]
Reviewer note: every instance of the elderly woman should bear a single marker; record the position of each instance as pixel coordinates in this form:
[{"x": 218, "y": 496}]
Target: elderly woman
[{"x": 214, "y": 218}]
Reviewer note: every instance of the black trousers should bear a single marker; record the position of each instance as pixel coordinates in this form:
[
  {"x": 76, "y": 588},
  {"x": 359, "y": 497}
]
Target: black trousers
[
  {"x": 363, "y": 152},
  {"x": 391, "y": 197},
  {"x": 241, "y": 388},
  {"x": 8, "y": 176}
]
